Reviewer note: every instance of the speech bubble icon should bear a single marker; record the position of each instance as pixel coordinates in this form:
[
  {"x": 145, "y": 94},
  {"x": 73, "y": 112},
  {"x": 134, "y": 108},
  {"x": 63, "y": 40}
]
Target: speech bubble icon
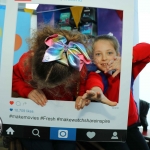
[
  {"x": 11, "y": 109},
  {"x": 90, "y": 135},
  {"x": 18, "y": 103},
  {"x": 11, "y": 102}
]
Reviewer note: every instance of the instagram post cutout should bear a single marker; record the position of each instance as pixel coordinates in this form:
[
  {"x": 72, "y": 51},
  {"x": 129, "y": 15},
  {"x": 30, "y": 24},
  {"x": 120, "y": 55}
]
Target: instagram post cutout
[{"x": 58, "y": 119}]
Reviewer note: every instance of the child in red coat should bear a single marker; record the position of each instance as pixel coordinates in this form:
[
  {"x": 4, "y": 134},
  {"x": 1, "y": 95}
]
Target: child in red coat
[
  {"x": 53, "y": 67},
  {"x": 51, "y": 70},
  {"x": 106, "y": 58}
]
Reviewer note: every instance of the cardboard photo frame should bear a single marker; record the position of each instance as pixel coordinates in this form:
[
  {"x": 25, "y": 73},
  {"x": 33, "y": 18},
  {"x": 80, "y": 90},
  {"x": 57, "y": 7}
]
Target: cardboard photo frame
[{"x": 94, "y": 120}]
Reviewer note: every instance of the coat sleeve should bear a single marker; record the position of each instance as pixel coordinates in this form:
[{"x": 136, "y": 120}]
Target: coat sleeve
[
  {"x": 22, "y": 76},
  {"x": 94, "y": 80},
  {"x": 141, "y": 56}
]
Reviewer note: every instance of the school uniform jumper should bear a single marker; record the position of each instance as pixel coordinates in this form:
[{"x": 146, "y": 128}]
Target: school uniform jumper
[
  {"x": 141, "y": 56},
  {"x": 23, "y": 84}
]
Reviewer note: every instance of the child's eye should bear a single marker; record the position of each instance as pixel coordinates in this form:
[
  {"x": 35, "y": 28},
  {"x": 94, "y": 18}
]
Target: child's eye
[
  {"x": 97, "y": 54},
  {"x": 110, "y": 53}
]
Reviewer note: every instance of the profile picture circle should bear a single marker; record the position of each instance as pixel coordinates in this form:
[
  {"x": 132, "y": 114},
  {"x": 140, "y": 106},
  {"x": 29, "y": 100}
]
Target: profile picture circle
[
  {"x": 63, "y": 133},
  {"x": 114, "y": 133}
]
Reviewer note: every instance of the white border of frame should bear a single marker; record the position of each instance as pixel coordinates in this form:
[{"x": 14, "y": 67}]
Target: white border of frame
[{"x": 117, "y": 116}]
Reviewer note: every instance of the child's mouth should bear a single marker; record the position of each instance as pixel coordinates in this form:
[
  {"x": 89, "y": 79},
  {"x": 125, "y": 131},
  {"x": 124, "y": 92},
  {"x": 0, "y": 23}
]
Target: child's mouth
[{"x": 104, "y": 65}]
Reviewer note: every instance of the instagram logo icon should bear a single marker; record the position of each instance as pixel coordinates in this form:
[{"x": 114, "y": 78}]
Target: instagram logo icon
[{"x": 62, "y": 133}]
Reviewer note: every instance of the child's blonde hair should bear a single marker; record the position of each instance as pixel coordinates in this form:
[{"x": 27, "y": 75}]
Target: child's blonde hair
[{"x": 110, "y": 38}]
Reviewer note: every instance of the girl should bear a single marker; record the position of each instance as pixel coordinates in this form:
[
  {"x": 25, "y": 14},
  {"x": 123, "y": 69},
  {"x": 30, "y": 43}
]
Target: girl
[
  {"x": 51, "y": 70},
  {"x": 53, "y": 66},
  {"x": 106, "y": 58}
]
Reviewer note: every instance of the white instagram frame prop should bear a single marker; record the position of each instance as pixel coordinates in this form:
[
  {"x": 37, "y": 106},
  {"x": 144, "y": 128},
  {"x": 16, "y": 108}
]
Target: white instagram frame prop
[{"x": 117, "y": 116}]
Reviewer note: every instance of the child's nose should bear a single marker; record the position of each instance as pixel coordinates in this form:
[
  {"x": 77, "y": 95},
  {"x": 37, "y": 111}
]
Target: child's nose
[{"x": 104, "y": 57}]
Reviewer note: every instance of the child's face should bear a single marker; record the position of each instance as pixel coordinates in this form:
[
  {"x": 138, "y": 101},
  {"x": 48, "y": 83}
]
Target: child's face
[{"x": 103, "y": 53}]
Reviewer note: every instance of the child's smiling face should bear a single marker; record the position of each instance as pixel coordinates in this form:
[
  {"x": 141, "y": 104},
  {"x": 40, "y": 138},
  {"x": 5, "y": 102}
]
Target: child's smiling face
[{"x": 103, "y": 53}]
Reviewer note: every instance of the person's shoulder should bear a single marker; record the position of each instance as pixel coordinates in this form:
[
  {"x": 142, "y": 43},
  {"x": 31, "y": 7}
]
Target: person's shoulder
[
  {"x": 26, "y": 59},
  {"x": 142, "y": 102},
  {"x": 27, "y": 54},
  {"x": 142, "y": 45},
  {"x": 96, "y": 73}
]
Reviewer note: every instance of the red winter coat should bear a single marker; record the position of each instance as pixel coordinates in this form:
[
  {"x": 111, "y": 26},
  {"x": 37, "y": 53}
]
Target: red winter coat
[{"x": 22, "y": 81}]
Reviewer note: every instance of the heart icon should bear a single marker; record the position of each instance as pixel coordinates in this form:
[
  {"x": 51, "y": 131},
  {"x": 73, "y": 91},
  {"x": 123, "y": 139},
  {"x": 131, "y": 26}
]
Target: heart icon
[
  {"x": 90, "y": 135},
  {"x": 11, "y": 102},
  {"x": 11, "y": 109}
]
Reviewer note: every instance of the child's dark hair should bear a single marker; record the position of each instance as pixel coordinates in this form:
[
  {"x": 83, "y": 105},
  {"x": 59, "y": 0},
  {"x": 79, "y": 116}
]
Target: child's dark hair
[
  {"x": 110, "y": 38},
  {"x": 52, "y": 74}
]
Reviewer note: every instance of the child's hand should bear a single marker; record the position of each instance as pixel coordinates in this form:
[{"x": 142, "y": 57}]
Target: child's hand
[
  {"x": 98, "y": 96},
  {"x": 80, "y": 103},
  {"x": 114, "y": 65},
  {"x": 38, "y": 97}
]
